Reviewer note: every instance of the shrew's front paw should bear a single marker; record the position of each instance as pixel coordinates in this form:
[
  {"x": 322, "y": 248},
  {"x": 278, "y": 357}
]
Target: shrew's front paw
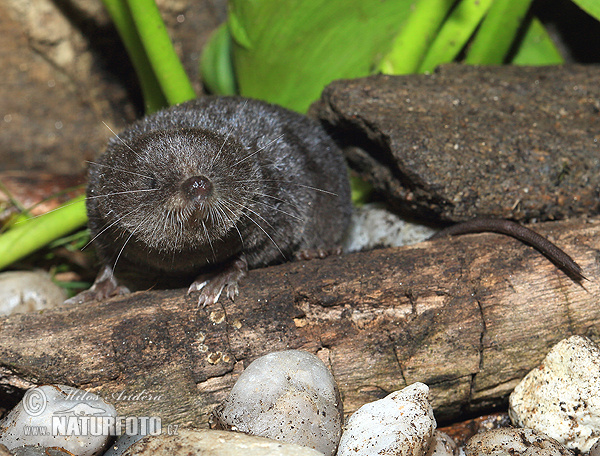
[{"x": 212, "y": 285}]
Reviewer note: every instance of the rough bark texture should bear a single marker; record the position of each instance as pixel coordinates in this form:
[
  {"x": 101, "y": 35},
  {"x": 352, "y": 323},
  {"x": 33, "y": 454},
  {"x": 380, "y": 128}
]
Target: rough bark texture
[
  {"x": 465, "y": 142},
  {"x": 469, "y": 316}
]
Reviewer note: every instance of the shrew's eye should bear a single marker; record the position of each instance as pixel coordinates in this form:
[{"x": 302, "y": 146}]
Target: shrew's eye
[{"x": 151, "y": 183}]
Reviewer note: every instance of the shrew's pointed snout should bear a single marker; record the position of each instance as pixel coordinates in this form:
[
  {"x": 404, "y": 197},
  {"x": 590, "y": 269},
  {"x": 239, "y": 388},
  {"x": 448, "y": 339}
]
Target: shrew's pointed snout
[{"x": 197, "y": 188}]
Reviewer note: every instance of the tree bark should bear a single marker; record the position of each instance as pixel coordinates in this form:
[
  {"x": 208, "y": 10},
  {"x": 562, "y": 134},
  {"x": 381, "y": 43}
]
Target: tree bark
[{"x": 469, "y": 316}]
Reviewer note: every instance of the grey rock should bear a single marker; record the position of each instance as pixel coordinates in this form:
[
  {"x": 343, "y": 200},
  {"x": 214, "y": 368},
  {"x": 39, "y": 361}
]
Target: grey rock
[
  {"x": 63, "y": 417},
  {"x": 27, "y": 291},
  {"x": 514, "y": 442},
  {"x": 372, "y": 226},
  {"x": 191, "y": 442},
  {"x": 289, "y": 396},
  {"x": 442, "y": 445},
  {"x": 561, "y": 398},
  {"x": 122, "y": 444},
  {"x": 465, "y": 142},
  {"x": 401, "y": 424}
]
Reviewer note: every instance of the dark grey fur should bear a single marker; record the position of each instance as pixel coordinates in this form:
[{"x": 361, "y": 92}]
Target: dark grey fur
[{"x": 279, "y": 186}]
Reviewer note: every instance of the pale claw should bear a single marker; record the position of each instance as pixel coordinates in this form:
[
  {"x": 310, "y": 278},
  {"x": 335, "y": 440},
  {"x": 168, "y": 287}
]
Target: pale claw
[
  {"x": 104, "y": 287},
  {"x": 229, "y": 276}
]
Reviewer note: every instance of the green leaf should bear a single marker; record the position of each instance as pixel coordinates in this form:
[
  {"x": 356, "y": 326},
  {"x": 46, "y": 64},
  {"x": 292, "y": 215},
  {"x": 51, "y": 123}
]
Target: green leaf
[
  {"x": 164, "y": 60},
  {"x": 417, "y": 33},
  {"x": 286, "y": 51},
  {"x": 497, "y": 32},
  {"x": 592, "y": 7},
  {"x": 30, "y": 235},
  {"x": 455, "y": 33},
  {"x": 537, "y": 48},
  {"x": 216, "y": 65}
]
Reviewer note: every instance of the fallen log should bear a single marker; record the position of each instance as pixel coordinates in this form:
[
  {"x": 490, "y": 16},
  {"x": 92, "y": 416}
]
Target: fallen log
[{"x": 469, "y": 316}]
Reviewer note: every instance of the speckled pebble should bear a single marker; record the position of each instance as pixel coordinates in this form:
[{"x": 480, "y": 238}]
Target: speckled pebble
[
  {"x": 561, "y": 398},
  {"x": 401, "y": 424},
  {"x": 289, "y": 396},
  {"x": 514, "y": 442},
  {"x": 59, "y": 416},
  {"x": 122, "y": 444},
  {"x": 442, "y": 445},
  {"x": 595, "y": 450},
  {"x": 203, "y": 442},
  {"x": 26, "y": 291},
  {"x": 372, "y": 225}
]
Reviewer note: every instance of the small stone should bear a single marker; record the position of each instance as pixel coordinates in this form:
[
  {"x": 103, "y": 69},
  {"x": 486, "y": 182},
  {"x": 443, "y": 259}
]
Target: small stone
[
  {"x": 401, "y": 424},
  {"x": 595, "y": 450},
  {"x": 27, "y": 291},
  {"x": 372, "y": 226},
  {"x": 289, "y": 396},
  {"x": 122, "y": 444},
  {"x": 561, "y": 398},
  {"x": 60, "y": 417},
  {"x": 514, "y": 442},
  {"x": 442, "y": 445},
  {"x": 215, "y": 443}
]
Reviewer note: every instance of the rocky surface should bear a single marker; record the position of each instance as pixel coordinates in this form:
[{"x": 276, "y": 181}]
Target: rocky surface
[
  {"x": 65, "y": 72},
  {"x": 508, "y": 142},
  {"x": 60, "y": 417},
  {"x": 288, "y": 395},
  {"x": 514, "y": 442},
  {"x": 561, "y": 398},
  {"x": 401, "y": 423}
]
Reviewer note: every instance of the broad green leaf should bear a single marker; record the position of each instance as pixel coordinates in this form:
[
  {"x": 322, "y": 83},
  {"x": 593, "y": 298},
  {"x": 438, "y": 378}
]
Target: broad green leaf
[
  {"x": 216, "y": 66},
  {"x": 417, "y": 33},
  {"x": 592, "y": 7},
  {"x": 537, "y": 48},
  {"x": 286, "y": 51},
  {"x": 497, "y": 32},
  {"x": 455, "y": 33}
]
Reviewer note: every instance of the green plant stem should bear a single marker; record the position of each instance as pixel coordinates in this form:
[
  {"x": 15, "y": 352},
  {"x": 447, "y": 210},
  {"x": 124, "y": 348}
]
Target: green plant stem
[
  {"x": 455, "y": 33},
  {"x": 166, "y": 64},
  {"x": 411, "y": 44},
  {"x": 151, "y": 91},
  {"x": 28, "y": 236},
  {"x": 497, "y": 32}
]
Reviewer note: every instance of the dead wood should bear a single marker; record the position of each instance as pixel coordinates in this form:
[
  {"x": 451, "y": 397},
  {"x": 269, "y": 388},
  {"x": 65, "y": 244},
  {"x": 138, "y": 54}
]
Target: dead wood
[{"x": 469, "y": 316}]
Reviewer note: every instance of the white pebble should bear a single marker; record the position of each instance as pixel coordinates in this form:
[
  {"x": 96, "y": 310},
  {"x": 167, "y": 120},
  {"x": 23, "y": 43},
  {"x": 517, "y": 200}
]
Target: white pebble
[
  {"x": 289, "y": 396},
  {"x": 442, "y": 445},
  {"x": 561, "y": 398},
  {"x": 58, "y": 416},
  {"x": 374, "y": 226},
  {"x": 27, "y": 291},
  {"x": 401, "y": 424},
  {"x": 514, "y": 442}
]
